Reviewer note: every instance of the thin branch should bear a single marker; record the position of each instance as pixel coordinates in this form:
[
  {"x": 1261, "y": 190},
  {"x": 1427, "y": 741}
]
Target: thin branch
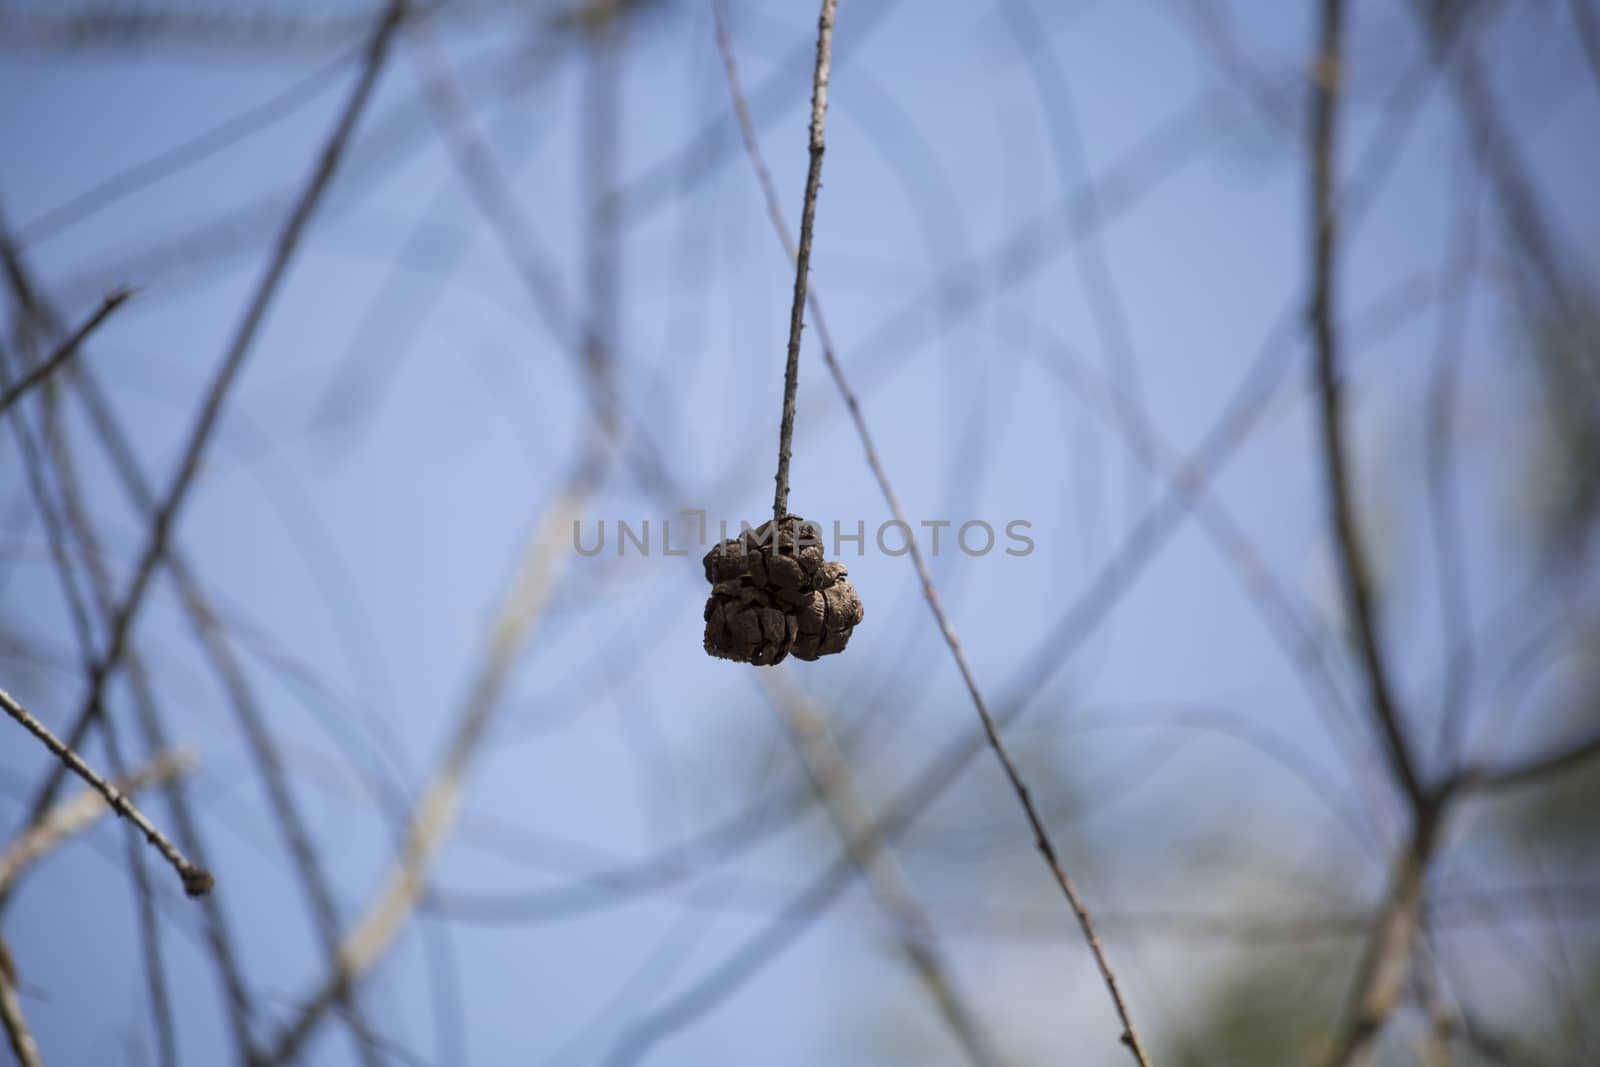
[
  {"x": 166, "y": 514},
  {"x": 802, "y": 258},
  {"x": 1353, "y": 566},
  {"x": 65, "y": 351},
  {"x": 1042, "y": 839},
  {"x": 80, "y": 812},
  {"x": 20, "y": 1037},
  {"x": 196, "y": 880}
]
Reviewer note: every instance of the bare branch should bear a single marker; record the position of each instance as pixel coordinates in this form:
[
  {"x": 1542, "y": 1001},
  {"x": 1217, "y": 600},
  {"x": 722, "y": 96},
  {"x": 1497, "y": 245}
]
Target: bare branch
[
  {"x": 196, "y": 880},
  {"x": 802, "y": 257},
  {"x": 65, "y": 351},
  {"x": 79, "y": 813},
  {"x": 1353, "y": 566}
]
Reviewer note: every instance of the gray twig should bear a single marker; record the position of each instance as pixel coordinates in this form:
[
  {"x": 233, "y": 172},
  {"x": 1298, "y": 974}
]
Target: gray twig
[
  {"x": 802, "y": 258},
  {"x": 1353, "y": 567},
  {"x": 65, "y": 351},
  {"x": 197, "y": 881}
]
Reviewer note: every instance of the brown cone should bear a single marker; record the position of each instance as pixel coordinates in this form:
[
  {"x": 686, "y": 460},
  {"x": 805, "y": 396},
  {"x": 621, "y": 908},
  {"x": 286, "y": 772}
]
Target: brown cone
[{"x": 773, "y": 597}]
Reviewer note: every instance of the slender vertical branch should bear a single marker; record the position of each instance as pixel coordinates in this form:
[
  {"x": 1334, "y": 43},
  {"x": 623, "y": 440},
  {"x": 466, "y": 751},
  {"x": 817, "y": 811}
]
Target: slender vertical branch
[
  {"x": 808, "y": 217},
  {"x": 1042, "y": 840},
  {"x": 1353, "y": 566},
  {"x": 197, "y": 881}
]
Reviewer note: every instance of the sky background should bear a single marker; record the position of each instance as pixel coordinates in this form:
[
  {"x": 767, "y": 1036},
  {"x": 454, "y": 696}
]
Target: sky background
[{"x": 406, "y": 417}]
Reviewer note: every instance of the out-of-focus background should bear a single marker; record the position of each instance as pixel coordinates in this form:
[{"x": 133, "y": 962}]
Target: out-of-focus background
[{"x": 473, "y": 796}]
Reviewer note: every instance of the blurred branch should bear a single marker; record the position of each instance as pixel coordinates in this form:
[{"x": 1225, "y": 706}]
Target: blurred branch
[
  {"x": 1495, "y": 150},
  {"x": 1534, "y": 769},
  {"x": 1381, "y": 975},
  {"x": 76, "y": 522},
  {"x": 65, "y": 351},
  {"x": 662, "y": 185},
  {"x": 913, "y": 930},
  {"x": 1444, "y": 491},
  {"x": 1281, "y": 618},
  {"x": 1492, "y": 1046},
  {"x": 179, "y": 158},
  {"x": 1106, "y": 305},
  {"x": 210, "y": 411},
  {"x": 1273, "y": 102},
  {"x": 99, "y": 24},
  {"x": 1459, "y": 909},
  {"x": 436, "y": 812},
  {"x": 1588, "y": 23},
  {"x": 206, "y": 626},
  {"x": 81, "y": 811},
  {"x": 1434, "y": 1046},
  {"x": 21, "y": 1039},
  {"x": 525, "y": 602},
  {"x": 196, "y": 880},
  {"x": 151, "y": 934},
  {"x": 1380, "y": 981},
  {"x": 492, "y": 195},
  {"x": 1327, "y": 73}
]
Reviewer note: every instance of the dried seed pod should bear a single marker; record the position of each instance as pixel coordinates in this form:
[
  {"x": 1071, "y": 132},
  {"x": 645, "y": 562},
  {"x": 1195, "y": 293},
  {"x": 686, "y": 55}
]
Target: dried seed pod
[{"x": 773, "y": 593}]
